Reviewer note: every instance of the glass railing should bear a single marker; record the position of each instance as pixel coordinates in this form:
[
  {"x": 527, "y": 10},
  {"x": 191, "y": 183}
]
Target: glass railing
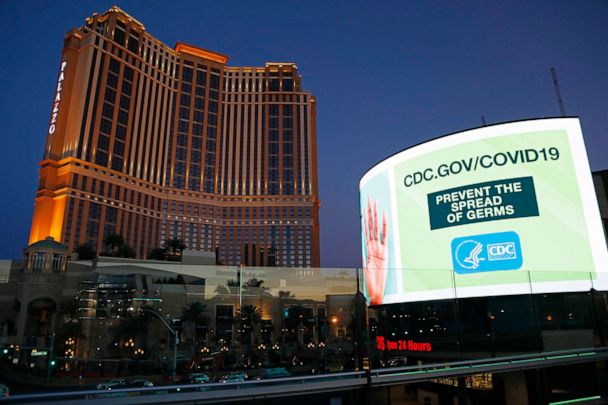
[{"x": 170, "y": 322}]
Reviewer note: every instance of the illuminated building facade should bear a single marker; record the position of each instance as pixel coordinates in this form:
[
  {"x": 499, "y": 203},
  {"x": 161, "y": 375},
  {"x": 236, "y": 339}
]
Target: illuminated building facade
[{"x": 154, "y": 143}]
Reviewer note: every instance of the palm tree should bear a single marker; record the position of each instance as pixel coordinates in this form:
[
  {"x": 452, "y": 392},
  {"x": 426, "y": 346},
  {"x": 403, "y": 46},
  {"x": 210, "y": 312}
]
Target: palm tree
[
  {"x": 248, "y": 318},
  {"x": 221, "y": 289},
  {"x": 194, "y": 314},
  {"x": 116, "y": 246},
  {"x": 113, "y": 242},
  {"x": 253, "y": 283},
  {"x": 85, "y": 252},
  {"x": 175, "y": 248}
]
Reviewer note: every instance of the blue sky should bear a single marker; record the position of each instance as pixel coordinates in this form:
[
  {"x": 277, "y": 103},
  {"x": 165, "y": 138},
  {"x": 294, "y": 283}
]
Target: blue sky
[{"x": 386, "y": 76}]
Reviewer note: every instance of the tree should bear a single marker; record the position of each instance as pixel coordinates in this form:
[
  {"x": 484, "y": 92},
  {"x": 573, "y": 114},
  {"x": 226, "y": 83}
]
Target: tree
[
  {"x": 253, "y": 284},
  {"x": 248, "y": 318},
  {"x": 116, "y": 246},
  {"x": 221, "y": 290},
  {"x": 157, "y": 253},
  {"x": 174, "y": 248},
  {"x": 85, "y": 252},
  {"x": 232, "y": 283},
  {"x": 285, "y": 295},
  {"x": 112, "y": 243},
  {"x": 126, "y": 251},
  {"x": 195, "y": 315}
]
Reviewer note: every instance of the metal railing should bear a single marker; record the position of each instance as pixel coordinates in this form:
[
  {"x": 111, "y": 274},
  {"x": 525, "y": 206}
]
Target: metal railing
[
  {"x": 277, "y": 387},
  {"x": 427, "y": 372},
  {"x": 212, "y": 392}
]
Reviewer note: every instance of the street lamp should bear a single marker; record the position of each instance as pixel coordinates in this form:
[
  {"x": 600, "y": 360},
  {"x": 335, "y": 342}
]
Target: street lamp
[
  {"x": 323, "y": 355},
  {"x": 175, "y": 339},
  {"x": 262, "y": 349},
  {"x": 50, "y": 359}
]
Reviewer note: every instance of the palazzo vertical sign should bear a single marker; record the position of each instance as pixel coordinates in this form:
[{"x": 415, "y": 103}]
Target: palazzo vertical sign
[{"x": 57, "y": 99}]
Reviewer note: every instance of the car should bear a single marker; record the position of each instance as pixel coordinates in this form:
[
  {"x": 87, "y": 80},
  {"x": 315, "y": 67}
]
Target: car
[
  {"x": 112, "y": 384},
  {"x": 4, "y": 391},
  {"x": 397, "y": 361},
  {"x": 275, "y": 372},
  {"x": 198, "y": 378},
  {"x": 140, "y": 383},
  {"x": 241, "y": 373},
  {"x": 233, "y": 378}
]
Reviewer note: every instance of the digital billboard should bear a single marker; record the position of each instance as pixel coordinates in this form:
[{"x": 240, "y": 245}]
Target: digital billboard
[{"x": 497, "y": 210}]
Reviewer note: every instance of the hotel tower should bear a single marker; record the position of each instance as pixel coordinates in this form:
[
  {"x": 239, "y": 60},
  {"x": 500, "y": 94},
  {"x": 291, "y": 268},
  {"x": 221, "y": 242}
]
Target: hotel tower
[{"x": 153, "y": 143}]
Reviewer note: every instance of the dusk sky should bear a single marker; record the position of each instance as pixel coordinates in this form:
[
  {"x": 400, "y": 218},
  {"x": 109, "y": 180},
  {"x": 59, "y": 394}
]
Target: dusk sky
[{"x": 386, "y": 76}]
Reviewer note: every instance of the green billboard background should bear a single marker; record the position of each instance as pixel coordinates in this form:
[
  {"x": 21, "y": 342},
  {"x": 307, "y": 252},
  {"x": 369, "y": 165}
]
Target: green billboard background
[{"x": 555, "y": 241}]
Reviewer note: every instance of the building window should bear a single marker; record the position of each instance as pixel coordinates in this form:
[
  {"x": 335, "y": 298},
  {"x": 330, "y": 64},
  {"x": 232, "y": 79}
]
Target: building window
[
  {"x": 56, "y": 264},
  {"x": 38, "y": 262}
]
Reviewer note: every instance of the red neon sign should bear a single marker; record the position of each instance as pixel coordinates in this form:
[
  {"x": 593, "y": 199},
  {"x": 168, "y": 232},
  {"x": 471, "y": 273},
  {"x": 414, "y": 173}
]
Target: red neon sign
[{"x": 403, "y": 345}]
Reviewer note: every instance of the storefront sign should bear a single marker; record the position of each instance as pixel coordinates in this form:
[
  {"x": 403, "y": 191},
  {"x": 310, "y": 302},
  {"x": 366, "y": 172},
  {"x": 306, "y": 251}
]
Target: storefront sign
[
  {"x": 39, "y": 353},
  {"x": 384, "y": 344}
]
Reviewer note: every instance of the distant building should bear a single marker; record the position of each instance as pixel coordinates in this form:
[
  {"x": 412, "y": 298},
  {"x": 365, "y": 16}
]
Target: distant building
[
  {"x": 96, "y": 309},
  {"x": 153, "y": 143},
  {"x": 30, "y": 297}
]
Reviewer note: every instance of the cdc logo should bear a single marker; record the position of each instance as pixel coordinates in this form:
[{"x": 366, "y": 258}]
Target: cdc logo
[
  {"x": 502, "y": 251},
  {"x": 487, "y": 252}
]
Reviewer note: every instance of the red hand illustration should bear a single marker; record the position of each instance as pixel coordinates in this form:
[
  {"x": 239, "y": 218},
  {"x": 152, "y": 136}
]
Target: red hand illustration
[{"x": 376, "y": 263}]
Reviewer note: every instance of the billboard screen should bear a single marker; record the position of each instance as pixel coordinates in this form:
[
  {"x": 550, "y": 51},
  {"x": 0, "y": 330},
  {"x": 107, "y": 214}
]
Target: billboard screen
[{"x": 498, "y": 210}]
